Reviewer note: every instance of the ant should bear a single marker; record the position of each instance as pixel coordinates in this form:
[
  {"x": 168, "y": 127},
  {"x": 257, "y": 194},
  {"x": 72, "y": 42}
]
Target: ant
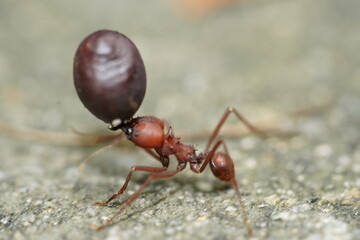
[{"x": 110, "y": 79}]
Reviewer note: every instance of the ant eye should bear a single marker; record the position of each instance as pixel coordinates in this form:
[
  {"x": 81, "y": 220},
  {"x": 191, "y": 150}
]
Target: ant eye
[{"x": 109, "y": 75}]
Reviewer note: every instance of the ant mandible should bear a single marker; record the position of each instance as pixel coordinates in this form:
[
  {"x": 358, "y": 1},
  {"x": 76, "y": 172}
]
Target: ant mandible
[{"x": 110, "y": 79}]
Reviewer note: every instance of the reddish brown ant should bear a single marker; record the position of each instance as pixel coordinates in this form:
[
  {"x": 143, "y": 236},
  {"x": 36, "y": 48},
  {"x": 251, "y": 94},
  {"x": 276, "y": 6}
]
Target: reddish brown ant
[{"x": 110, "y": 80}]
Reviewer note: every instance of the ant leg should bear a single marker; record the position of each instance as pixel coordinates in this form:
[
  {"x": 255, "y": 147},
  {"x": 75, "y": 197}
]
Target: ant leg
[
  {"x": 210, "y": 154},
  {"x": 136, "y": 194},
  {"x": 237, "y": 191},
  {"x": 152, "y": 153},
  {"x": 222, "y": 167},
  {"x": 164, "y": 162},
  {"x": 226, "y": 114},
  {"x": 133, "y": 169},
  {"x": 242, "y": 205}
]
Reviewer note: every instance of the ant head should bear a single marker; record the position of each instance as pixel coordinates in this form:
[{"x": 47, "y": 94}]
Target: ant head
[
  {"x": 222, "y": 167},
  {"x": 145, "y": 132},
  {"x": 109, "y": 76}
]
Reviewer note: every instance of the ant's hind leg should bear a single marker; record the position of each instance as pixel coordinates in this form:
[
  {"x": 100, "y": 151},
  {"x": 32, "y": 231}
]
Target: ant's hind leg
[
  {"x": 222, "y": 166},
  {"x": 133, "y": 169},
  {"x": 234, "y": 183}
]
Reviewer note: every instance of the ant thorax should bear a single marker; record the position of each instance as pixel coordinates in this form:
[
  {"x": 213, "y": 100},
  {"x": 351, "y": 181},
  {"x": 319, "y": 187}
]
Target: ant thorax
[
  {"x": 173, "y": 145},
  {"x": 149, "y": 132}
]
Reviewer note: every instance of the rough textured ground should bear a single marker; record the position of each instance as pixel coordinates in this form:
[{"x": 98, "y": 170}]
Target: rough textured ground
[{"x": 263, "y": 57}]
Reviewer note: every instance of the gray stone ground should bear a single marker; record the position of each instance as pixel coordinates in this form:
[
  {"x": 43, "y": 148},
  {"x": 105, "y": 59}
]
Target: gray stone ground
[{"x": 263, "y": 57}]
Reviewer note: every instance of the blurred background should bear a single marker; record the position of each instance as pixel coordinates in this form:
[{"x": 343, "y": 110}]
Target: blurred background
[
  {"x": 264, "y": 57},
  {"x": 256, "y": 55}
]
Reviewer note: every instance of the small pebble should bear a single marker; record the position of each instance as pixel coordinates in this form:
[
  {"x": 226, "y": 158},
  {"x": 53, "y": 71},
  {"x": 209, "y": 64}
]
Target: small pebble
[
  {"x": 231, "y": 209},
  {"x": 272, "y": 199},
  {"x": 282, "y": 216}
]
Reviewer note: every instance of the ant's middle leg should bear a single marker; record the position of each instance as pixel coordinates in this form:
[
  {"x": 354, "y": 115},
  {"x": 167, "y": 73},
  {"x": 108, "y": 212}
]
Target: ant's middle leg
[
  {"x": 132, "y": 198},
  {"x": 133, "y": 169},
  {"x": 164, "y": 161},
  {"x": 226, "y": 114}
]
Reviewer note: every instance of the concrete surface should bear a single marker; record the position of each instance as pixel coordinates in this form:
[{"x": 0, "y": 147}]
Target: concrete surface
[{"x": 264, "y": 57}]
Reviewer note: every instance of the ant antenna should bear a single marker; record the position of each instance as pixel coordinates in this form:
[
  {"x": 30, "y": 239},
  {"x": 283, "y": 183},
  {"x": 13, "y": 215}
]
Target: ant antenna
[{"x": 84, "y": 162}]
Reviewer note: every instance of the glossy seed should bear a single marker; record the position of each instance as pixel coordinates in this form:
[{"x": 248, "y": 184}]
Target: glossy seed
[{"x": 109, "y": 76}]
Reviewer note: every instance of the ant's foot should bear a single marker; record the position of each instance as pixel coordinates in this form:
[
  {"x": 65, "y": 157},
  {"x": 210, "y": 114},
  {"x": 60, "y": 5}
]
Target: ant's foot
[
  {"x": 100, "y": 203},
  {"x": 96, "y": 227},
  {"x": 99, "y": 227}
]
